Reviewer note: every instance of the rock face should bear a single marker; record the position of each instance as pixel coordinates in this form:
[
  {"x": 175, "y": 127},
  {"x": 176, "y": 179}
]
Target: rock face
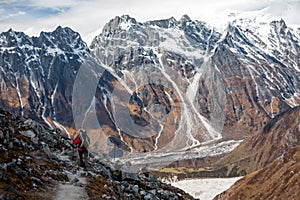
[
  {"x": 160, "y": 86},
  {"x": 35, "y": 161},
  {"x": 278, "y": 137}
]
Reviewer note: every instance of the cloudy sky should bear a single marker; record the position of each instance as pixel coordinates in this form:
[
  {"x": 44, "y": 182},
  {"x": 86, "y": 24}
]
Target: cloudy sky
[{"x": 89, "y": 16}]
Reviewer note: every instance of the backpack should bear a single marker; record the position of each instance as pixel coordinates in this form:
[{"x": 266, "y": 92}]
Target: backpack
[{"x": 85, "y": 140}]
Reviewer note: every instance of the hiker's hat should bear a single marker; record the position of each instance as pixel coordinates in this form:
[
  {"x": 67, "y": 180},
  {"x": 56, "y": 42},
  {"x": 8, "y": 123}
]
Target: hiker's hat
[{"x": 82, "y": 130}]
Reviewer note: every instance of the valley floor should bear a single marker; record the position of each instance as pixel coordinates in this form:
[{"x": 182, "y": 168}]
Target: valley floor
[{"x": 206, "y": 188}]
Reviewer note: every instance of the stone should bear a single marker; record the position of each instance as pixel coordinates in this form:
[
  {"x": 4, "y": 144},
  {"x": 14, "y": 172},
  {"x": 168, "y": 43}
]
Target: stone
[
  {"x": 35, "y": 140},
  {"x": 21, "y": 173},
  {"x": 35, "y": 179},
  {"x": 5, "y": 197},
  {"x": 135, "y": 189},
  {"x": 19, "y": 161},
  {"x": 174, "y": 197},
  {"x": 28, "y": 123},
  {"x": 79, "y": 184},
  {"x": 2, "y": 176},
  {"x": 143, "y": 192},
  {"x": 75, "y": 180},
  {"x": 152, "y": 191},
  {"x": 128, "y": 175},
  {"x": 3, "y": 166},
  {"x": 166, "y": 193},
  {"x": 28, "y": 158},
  {"x": 85, "y": 174},
  {"x": 28, "y": 133},
  {"x": 17, "y": 141},
  {"x": 10, "y": 189},
  {"x": 148, "y": 196},
  {"x": 1, "y": 135}
]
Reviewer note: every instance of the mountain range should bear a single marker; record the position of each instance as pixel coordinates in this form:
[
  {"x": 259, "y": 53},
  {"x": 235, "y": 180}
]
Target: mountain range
[
  {"x": 153, "y": 92},
  {"x": 169, "y": 87}
]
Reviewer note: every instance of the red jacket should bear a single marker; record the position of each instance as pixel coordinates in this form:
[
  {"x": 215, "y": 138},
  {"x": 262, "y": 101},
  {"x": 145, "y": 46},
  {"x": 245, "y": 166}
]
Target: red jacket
[{"x": 77, "y": 141}]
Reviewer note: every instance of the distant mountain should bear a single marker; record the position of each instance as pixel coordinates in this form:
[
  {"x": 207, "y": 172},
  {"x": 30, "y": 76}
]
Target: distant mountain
[{"x": 164, "y": 86}]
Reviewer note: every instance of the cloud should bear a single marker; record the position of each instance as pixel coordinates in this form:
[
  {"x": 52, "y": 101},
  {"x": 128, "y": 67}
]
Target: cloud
[
  {"x": 89, "y": 16},
  {"x": 53, "y": 3},
  {"x": 287, "y": 9}
]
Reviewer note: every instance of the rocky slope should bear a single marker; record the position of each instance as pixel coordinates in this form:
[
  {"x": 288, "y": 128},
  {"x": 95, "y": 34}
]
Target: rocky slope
[
  {"x": 278, "y": 180},
  {"x": 161, "y": 86},
  {"x": 272, "y": 160},
  {"x": 37, "y": 163},
  {"x": 279, "y": 136}
]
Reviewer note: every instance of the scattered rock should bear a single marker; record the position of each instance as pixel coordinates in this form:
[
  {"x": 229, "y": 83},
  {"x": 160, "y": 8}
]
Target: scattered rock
[{"x": 152, "y": 192}]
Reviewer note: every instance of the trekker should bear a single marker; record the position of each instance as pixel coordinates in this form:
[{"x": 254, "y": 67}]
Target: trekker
[{"x": 82, "y": 142}]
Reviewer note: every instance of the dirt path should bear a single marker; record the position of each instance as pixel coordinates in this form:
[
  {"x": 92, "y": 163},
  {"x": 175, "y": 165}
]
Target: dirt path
[{"x": 73, "y": 190}]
